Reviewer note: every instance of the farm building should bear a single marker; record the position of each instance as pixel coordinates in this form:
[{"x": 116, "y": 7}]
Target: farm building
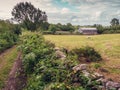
[{"x": 88, "y": 31}]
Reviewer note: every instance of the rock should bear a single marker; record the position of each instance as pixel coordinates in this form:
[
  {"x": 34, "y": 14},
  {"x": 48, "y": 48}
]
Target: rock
[
  {"x": 101, "y": 88},
  {"x": 57, "y": 48},
  {"x": 86, "y": 73},
  {"x": 97, "y": 76},
  {"x": 101, "y": 80},
  {"x": 80, "y": 67},
  {"x": 60, "y": 54},
  {"x": 112, "y": 85}
]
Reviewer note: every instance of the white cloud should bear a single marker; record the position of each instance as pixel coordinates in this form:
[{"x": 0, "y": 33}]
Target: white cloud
[
  {"x": 75, "y": 20},
  {"x": 84, "y": 12},
  {"x": 44, "y": 5},
  {"x": 65, "y": 10},
  {"x": 93, "y": 1}
]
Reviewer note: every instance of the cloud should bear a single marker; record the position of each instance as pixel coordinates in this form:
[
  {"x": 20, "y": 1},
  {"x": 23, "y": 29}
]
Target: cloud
[
  {"x": 46, "y": 5},
  {"x": 87, "y": 12},
  {"x": 65, "y": 10},
  {"x": 73, "y": 11}
]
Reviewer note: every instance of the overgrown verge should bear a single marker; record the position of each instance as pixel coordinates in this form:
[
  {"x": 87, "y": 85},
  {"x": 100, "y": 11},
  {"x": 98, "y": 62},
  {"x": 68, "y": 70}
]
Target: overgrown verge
[
  {"x": 45, "y": 71},
  {"x": 6, "y": 62},
  {"x": 8, "y": 35},
  {"x": 16, "y": 79}
]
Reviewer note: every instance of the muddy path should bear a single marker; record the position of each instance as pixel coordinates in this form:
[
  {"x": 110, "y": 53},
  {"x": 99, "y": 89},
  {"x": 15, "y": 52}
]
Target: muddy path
[{"x": 16, "y": 79}]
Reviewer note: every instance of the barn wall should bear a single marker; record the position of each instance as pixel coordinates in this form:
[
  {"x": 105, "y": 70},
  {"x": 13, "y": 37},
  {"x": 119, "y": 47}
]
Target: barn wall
[{"x": 89, "y": 32}]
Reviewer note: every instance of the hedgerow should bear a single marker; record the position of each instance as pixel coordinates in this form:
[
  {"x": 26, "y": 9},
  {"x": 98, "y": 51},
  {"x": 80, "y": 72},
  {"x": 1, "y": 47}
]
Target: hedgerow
[
  {"x": 46, "y": 72},
  {"x": 8, "y": 35}
]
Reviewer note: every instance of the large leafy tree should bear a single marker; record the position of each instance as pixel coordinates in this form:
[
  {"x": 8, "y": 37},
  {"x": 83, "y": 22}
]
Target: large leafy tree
[
  {"x": 114, "y": 21},
  {"x": 28, "y": 15},
  {"x": 53, "y": 28}
]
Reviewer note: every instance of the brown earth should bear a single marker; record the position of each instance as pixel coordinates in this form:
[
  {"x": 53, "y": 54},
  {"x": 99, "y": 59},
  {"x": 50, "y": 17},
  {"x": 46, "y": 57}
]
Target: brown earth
[{"x": 16, "y": 79}]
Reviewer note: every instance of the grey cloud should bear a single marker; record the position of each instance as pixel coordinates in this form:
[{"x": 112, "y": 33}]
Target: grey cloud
[{"x": 87, "y": 11}]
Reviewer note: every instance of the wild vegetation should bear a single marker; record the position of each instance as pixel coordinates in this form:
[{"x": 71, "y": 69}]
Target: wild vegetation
[
  {"x": 107, "y": 45},
  {"x": 6, "y": 62},
  {"x": 8, "y": 35},
  {"x": 47, "y": 72},
  {"x": 86, "y": 54},
  {"x": 43, "y": 68}
]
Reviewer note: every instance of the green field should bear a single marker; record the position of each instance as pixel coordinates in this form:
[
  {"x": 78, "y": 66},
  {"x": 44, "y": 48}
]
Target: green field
[{"x": 108, "y": 46}]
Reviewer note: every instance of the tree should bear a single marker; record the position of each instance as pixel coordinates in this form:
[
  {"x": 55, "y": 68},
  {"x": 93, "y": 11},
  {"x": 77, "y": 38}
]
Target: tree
[
  {"x": 114, "y": 21},
  {"x": 100, "y": 28},
  {"x": 45, "y": 26},
  {"x": 28, "y": 15},
  {"x": 70, "y": 27},
  {"x": 17, "y": 29},
  {"x": 53, "y": 28},
  {"x": 59, "y": 25}
]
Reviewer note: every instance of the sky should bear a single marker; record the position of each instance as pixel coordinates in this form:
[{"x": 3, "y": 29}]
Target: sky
[{"x": 77, "y": 12}]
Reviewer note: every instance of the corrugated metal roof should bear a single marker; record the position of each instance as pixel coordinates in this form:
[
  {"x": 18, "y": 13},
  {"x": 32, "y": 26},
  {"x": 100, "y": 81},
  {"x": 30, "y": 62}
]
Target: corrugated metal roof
[{"x": 88, "y": 29}]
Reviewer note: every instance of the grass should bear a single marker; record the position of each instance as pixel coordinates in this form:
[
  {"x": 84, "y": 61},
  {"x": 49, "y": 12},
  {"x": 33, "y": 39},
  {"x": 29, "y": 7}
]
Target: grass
[
  {"x": 108, "y": 45},
  {"x": 7, "y": 59}
]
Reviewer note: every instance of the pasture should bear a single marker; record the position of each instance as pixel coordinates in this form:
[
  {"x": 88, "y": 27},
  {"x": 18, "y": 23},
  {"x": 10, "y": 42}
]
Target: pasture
[{"x": 108, "y": 45}]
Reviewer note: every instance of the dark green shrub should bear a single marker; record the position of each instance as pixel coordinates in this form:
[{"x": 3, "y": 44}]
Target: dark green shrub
[
  {"x": 7, "y": 40},
  {"x": 7, "y": 35},
  {"x": 41, "y": 49},
  {"x": 46, "y": 72},
  {"x": 47, "y": 76},
  {"x": 46, "y": 32},
  {"x": 17, "y": 29},
  {"x": 59, "y": 86},
  {"x": 35, "y": 83},
  {"x": 83, "y": 80},
  {"x": 29, "y": 61},
  {"x": 86, "y": 54}
]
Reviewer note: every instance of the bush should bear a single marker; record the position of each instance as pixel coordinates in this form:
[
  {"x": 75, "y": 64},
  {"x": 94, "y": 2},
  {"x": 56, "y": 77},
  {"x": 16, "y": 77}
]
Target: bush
[
  {"x": 86, "y": 54},
  {"x": 47, "y": 32},
  {"x": 29, "y": 61},
  {"x": 8, "y": 35},
  {"x": 7, "y": 40},
  {"x": 34, "y": 49},
  {"x": 45, "y": 71},
  {"x": 59, "y": 86}
]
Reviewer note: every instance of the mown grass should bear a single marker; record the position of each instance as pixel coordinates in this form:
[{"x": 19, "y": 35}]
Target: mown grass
[
  {"x": 6, "y": 62},
  {"x": 108, "y": 45}
]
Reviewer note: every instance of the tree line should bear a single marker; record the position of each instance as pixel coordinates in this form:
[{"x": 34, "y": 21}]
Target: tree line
[
  {"x": 34, "y": 19},
  {"x": 8, "y": 34},
  {"x": 31, "y": 18},
  {"x": 113, "y": 28}
]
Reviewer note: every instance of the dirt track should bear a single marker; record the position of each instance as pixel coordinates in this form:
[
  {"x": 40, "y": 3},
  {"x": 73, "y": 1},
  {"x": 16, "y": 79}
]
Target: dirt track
[{"x": 17, "y": 78}]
